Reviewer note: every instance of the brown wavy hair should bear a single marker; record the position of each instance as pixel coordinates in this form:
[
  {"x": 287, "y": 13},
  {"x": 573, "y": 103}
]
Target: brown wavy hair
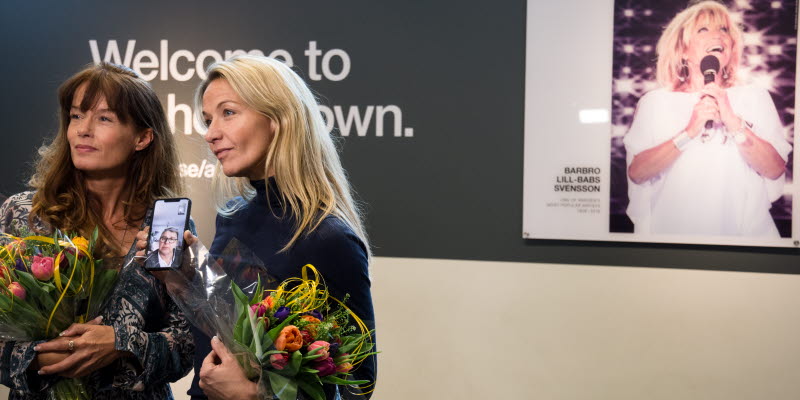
[{"x": 62, "y": 200}]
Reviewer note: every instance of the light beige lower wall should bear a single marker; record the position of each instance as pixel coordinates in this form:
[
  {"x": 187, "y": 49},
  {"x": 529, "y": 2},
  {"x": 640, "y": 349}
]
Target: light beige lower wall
[{"x": 491, "y": 330}]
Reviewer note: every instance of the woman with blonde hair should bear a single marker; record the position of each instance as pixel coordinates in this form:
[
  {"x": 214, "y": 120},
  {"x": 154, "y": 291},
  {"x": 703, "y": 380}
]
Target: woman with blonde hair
[
  {"x": 282, "y": 192},
  {"x": 706, "y": 154},
  {"x": 112, "y": 157}
]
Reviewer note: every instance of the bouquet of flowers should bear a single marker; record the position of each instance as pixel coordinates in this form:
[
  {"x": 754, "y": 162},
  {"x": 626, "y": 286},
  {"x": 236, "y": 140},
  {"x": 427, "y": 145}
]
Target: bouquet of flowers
[
  {"x": 299, "y": 337},
  {"x": 46, "y": 284}
]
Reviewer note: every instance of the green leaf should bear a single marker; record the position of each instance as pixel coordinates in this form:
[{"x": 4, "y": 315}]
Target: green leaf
[
  {"x": 95, "y": 233},
  {"x": 312, "y": 388},
  {"x": 103, "y": 285},
  {"x": 75, "y": 283},
  {"x": 339, "y": 381},
  {"x": 283, "y": 387},
  {"x": 247, "y": 332},
  {"x": 256, "y": 348},
  {"x": 258, "y": 293},
  {"x": 239, "y": 344},
  {"x": 56, "y": 244},
  {"x": 5, "y": 301},
  {"x": 312, "y": 355},
  {"x": 266, "y": 341},
  {"x": 35, "y": 294},
  {"x": 294, "y": 362},
  {"x": 260, "y": 328},
  {"x": 242, "y": 331},
  {"x": 240, "y": 297},
  {"x": 238, "y": 328},
  {"x": 349, "y": 343},
  {"x": 274, "y": 332},
  {"x": 293, "y": 366}
]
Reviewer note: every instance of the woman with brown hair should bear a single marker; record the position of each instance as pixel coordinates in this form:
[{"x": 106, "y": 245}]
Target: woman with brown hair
[{"x": 112, "y": 157}]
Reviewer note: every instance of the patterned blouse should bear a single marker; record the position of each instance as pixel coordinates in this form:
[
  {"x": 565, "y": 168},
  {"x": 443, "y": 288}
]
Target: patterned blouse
[{"x": 146, "y": 323}]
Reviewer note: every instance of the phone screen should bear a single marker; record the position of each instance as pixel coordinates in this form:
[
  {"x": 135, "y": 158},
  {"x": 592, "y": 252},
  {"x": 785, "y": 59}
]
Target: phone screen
[{"x": 165, "y": 245}]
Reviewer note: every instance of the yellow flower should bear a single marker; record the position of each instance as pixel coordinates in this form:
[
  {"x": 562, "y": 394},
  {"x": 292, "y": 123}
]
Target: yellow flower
[{"x": 81, "y": 243}]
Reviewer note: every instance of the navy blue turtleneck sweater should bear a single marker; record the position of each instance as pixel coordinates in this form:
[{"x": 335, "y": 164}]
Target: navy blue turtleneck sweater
[{"x": 333, "y": 248}]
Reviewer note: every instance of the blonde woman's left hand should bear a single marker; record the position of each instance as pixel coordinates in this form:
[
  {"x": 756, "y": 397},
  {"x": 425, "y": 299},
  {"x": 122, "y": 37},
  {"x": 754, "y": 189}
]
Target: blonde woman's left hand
[{"x": 221, "y": 377}]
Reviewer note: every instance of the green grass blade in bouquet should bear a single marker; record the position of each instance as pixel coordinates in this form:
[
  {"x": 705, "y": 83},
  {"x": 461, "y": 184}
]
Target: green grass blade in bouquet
[
  {"x": 302, "y": 336},
  {"x": 47, "y": 284},
  {"x": 96, "y": 279}
]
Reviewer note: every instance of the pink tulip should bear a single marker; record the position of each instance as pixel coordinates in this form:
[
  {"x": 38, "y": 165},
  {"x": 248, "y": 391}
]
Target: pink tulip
[
  {"x": 324, "y": 349},
  {"x": 17, "y": 290},
  {"x": 259, "y": 309},
  {"x": 42, "y": 268},
  {"x": 279, "y": 361}
]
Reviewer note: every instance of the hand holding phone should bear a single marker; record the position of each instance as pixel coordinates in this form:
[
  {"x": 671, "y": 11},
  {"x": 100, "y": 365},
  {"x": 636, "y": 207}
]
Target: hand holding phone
[{"x": 165, "y": 241}]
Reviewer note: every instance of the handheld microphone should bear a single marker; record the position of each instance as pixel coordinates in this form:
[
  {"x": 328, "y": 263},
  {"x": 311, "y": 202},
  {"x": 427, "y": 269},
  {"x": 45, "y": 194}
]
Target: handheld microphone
[{"x": 709, "y": 65}]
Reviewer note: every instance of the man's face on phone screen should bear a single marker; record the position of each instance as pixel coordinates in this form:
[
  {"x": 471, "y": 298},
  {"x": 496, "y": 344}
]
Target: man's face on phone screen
[{"x": 167, "y": 243}]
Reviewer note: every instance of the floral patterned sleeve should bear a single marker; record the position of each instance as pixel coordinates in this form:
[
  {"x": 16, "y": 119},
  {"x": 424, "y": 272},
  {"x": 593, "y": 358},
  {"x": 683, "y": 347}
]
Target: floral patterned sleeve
[
  {"x": 14, "y": 213},
  {"x": 151, "y": 329},
  {"x": 17, "y": 356}
]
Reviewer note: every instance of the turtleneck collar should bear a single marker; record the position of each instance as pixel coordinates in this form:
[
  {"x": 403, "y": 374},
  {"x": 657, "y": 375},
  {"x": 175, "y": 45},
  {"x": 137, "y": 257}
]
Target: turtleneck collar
[{"x": 267, "y": 192}]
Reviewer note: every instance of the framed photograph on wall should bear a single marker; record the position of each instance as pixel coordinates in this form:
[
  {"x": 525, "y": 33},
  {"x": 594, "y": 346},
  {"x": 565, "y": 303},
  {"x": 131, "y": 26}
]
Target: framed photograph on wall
[{"x": 690, "y": 141}]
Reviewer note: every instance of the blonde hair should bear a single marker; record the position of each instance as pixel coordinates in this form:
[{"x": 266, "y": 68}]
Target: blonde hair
[
  {"x": 302, "y": 155},
  {"x": 61, "y": 199},
  {"x": 675, "y": 41}
]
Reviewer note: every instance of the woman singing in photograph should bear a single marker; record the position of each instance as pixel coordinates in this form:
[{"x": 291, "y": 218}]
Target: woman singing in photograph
[{"x": 706, "y": 154}]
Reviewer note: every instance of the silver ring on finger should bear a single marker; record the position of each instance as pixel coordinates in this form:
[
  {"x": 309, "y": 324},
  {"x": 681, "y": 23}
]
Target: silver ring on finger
[{"x": 71, "y": 345}]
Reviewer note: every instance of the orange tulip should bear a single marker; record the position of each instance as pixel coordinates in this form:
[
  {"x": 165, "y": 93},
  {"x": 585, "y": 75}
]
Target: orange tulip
[
  {"x": 268, "y": 302},
  {"x": 289, "y": 339}
]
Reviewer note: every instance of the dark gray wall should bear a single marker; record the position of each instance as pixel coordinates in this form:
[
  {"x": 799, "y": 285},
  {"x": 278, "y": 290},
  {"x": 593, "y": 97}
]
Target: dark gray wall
[{"x": 455, "y": 69}]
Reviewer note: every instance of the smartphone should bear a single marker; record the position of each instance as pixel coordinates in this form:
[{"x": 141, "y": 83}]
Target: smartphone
[{"x": 170, "y": 218}]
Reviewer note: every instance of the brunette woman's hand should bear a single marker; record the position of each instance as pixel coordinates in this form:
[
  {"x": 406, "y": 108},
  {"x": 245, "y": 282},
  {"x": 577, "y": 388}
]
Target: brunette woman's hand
[
  {"x": 46, "y": 358},
  {"x": 90, "y": 348}
]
